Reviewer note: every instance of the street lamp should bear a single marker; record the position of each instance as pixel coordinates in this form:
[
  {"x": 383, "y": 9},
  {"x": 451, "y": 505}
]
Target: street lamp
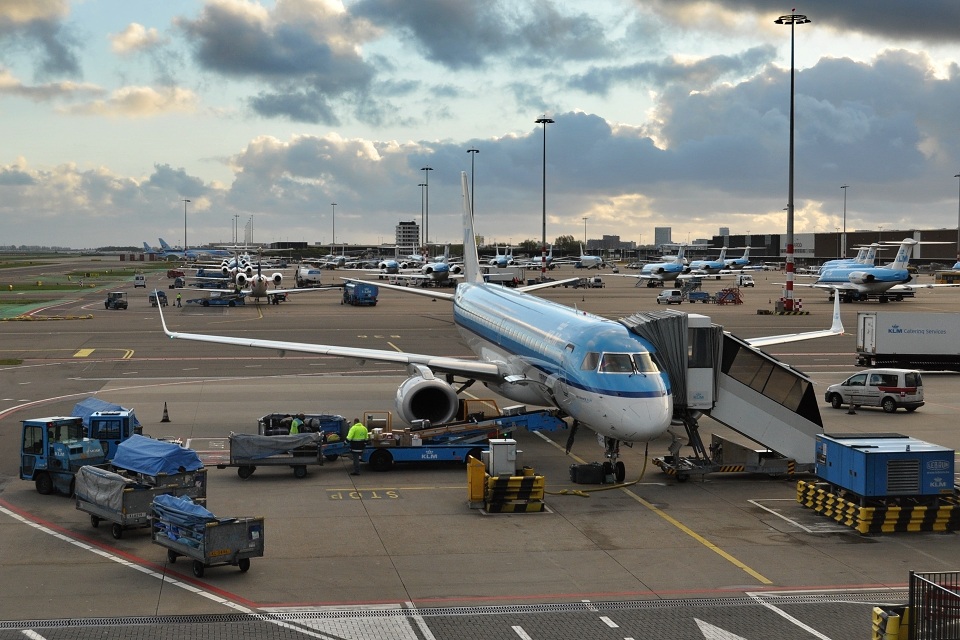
[
  {"x": 843, "y": 246},
  {"x": 473, "y": 152},
  {"x": 585, "y": 231},
  {"x": 333, "y": 222},
  {"x": 421, "y": 185},
  {"x": 185, "y": 201},
  {"x": 792, "y": 20},
  {"x": 236, "y": 222},
  {"x": 544, "y": 120},
  {"x": 426, "y": 185},
  {"x": 880, "y": 233},
  {"x": 838, "y": 240}
]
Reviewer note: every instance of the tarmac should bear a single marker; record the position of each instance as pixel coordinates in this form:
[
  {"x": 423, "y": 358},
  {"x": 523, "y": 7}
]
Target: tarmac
[{"x": 400, "y": 554}]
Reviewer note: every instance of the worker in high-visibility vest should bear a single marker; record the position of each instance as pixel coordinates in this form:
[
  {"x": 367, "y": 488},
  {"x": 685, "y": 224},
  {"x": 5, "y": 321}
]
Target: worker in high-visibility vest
[{"x": 357, "y": 439}]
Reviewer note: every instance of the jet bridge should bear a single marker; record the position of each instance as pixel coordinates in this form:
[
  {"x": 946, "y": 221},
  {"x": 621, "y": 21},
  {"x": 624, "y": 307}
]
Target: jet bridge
[{"x": 715, "y": 373}]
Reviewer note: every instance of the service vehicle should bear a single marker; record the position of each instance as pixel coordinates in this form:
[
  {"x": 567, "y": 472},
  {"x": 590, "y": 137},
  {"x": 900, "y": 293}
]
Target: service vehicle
[
  {"x": 158, "y": 298},
  {"x": 139, "y": 280},
  {"x": 926, "y": 341},
  {"x": 360, "y": 294},
  {"x": 699, "y": 296},
  {"x": 116, "y": 300},
  {"x": 219, "y": 299},
  {"x": 53, "y": 449},
  {"x": 175, "y": 273},
  {"x": 889, "y": 389},
  {"x": 745, "y": 280},
  {"x": 178, "y": 283},
  {"x": 670, "y": 296}
]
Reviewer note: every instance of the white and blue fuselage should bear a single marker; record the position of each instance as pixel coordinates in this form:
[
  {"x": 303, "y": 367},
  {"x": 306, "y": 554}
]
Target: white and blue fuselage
[{"x": 595, "y": 370}]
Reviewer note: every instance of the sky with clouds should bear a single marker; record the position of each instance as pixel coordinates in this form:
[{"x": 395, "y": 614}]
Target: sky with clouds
[{"x": 667, "y": 113}]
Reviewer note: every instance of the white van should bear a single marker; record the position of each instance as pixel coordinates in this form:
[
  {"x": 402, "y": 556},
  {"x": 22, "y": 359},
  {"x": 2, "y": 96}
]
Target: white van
[
  {"x": 886, "y": 388},
  {"x": 670, "y": 296},
  {"x": 745, "y": 280},
  {"x": 139, "y": 280}
]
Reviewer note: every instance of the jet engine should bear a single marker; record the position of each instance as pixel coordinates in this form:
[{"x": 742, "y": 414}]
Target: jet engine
[
  {"x": 276, "y": 279},
  {"x": 861, "y": 277},
  {"x": 242, "y": 280},
  {"x": 423, "y": 397},
  {"x": 456, "y": 268}
]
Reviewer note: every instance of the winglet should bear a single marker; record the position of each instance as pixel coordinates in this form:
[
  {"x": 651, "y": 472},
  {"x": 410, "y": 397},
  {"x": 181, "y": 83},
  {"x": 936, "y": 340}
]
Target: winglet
[
  {"x": 471, "y": 259},
  {"x": 837, "y": 326},
  {"x": 162, "y": 321}
]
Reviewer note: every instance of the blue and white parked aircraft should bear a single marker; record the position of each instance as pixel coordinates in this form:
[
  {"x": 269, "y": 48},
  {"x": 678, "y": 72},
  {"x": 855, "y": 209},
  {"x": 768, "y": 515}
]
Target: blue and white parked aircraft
[
  {"x": 710, "y": 266},
  {"x": 739, "y": 263},
  {"x": 857, "y": 281},
  {"x": 659, "y": 273},
  {"x": 532, "y": 351}
]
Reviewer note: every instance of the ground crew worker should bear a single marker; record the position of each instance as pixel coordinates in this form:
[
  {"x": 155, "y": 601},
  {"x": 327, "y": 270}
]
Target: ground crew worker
[
  {"x": 357, "y": 438},
  {"x": 178, "y": 299},
  {"x": 295, "y": 424}
]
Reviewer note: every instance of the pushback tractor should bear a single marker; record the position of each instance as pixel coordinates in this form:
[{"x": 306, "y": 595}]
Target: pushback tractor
[{"x": 53, "y": 449}]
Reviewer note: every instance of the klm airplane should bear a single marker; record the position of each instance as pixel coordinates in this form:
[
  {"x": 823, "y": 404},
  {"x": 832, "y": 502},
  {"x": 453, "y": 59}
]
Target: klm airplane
[
  {"x": 710, "y": 266},
  {"x": 532, "y": 351}
]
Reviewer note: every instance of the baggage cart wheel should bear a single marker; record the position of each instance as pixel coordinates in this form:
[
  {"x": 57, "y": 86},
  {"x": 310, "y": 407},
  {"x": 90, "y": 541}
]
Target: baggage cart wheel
[
  {"x": 171, "y": 556},
  {"x": 116, "y": 530},
  {"x": 245, "y": 471},
  {"x": 94, "y": 521},
  {"x": 244, "y": 564},
  {"x": 300, "y": 471},
  {"x": 198, "y": 568},
  {"x": 330, "y": 457}
]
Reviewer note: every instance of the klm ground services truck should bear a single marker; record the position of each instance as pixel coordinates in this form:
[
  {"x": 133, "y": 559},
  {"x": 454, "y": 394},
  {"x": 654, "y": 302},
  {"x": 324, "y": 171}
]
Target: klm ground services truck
[{"x": 53, "y": 449}]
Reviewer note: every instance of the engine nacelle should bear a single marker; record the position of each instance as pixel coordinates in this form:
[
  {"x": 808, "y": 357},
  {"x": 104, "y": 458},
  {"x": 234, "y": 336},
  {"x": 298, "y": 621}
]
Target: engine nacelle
[
  {"x": 861, "y": 277},
  {"x": 242, "y": 280},
  {"x": 659, "y": 270},
  {"x": 276, "y": 279},
  {"x": 426, "y": 398},
  {"x": 456, "y": 268}
]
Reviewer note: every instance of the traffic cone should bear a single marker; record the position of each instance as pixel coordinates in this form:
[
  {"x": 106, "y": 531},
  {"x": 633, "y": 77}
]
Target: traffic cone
[{"x": 166, "y": 416}]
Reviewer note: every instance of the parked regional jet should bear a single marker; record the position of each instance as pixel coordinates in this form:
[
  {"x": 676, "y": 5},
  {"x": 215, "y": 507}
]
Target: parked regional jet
[
  {"x": 502, "y": 260},
  {"x": 659, "y": 273},
  {"x": 530, "y": 350},
  {"x": 536, "y": 262},
  {"x": 855, "y": 281},
  {"x": 584, "y": 260},
  {"x": 710, "y": 266},
  {"x": 739, "y": 263},
  {"x": 166, "y": 251}
]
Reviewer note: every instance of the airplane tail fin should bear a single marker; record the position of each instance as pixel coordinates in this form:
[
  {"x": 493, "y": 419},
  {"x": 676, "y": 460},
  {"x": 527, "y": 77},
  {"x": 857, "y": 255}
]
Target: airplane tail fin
[
  {"x": 471, "y": 259},
  {"x": 163, "y": 243},
  {"x": 147, "y": 248},
  {"x": 903, "y": 254}
]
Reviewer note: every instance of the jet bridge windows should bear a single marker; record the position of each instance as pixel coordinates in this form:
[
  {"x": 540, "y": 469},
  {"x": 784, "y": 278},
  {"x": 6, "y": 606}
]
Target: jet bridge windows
[{"x": 768, "y": 377}]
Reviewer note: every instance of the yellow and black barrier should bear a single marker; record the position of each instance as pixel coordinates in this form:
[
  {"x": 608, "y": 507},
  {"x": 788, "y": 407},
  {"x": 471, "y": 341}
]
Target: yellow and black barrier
[
  {"x": 890, "y": 624},
  {"x": 890, "y": 518},
  {"x": 514, "y": 494}
]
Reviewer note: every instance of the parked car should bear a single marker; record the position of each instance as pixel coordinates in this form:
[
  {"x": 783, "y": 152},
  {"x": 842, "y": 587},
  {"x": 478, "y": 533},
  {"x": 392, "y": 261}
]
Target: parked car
[
  {"x": 670, "y": 296},
  {"x": 889, "y": 389}
]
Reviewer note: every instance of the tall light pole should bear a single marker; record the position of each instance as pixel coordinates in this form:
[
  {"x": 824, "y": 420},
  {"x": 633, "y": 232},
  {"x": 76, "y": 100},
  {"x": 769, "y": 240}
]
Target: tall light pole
[
  {"x": 958, "y": 218},
  {"x": 792, "y": 20},
  {"x": 185, "y": 201},
  {"x": 473, "y": 152},
  {"x": 236, "y": 218},
  {"x": 426, "y": 189},
  {"x": 838, "y": 241},
  {"x": 544, "y": 120},
  {"x": 843, "y": 242},
  {"x": 421, "y": 185},
  {"x": 333, "y": 222},
  {"x": 585, "y": 230}
]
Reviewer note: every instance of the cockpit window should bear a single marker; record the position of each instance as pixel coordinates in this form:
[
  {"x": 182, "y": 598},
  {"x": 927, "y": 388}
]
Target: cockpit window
[
  {"x": 644, "y": 363},
  {"x": 616, "y": 363},
  {"x": 590, "y": 361}
]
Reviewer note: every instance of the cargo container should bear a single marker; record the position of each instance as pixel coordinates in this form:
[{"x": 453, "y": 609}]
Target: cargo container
[{"x": 908, "y": 340}]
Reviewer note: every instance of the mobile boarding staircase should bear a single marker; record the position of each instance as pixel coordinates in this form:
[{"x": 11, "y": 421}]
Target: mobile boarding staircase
[{"x": 717, "y": 374}]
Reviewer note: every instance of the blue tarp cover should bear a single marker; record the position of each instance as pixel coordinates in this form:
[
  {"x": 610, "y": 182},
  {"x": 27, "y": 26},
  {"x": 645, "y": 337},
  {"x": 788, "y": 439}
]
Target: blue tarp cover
[
  {"x": 141, "y": 454},
  {"x": 85, "y": 408}
]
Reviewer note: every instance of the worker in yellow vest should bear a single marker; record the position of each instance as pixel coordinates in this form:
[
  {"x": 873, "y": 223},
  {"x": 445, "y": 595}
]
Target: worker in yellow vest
[{"x": 357, "y": 439}]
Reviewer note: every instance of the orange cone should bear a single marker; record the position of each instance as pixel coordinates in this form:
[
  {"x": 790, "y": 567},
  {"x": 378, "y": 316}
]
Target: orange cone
[{"x": 166, "y": 416}]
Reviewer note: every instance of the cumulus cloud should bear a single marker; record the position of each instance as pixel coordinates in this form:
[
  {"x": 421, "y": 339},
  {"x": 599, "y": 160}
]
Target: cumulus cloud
[
  {"x": 139, "y": 102},
  {"x": 38, "y": 24},
  {"x": 302, "y": 49},
  {"x": 10, "y": 85},
  {"x": 135, "y": 37}
]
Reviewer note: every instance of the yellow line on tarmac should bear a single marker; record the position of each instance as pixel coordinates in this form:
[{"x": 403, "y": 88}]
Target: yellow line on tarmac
[
  {"x": 83, "y": 353},
  {"x": 679, "y": 525}
]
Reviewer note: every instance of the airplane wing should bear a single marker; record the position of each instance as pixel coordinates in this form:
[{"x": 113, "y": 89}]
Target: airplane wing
[
  {"x": 836, "y": 329},
  {"x": 914, "y": 287},
  {"x": 455, "y": 366}
]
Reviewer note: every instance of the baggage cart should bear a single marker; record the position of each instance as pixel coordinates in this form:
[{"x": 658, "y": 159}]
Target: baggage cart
[
  {"x": 247, "y": 451},
  {"x": 118, "y": 499},
  {"x": 187, "y": 529}
]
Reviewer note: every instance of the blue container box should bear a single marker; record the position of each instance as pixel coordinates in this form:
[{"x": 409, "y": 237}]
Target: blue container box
[{"x": 884, "y": 464}]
